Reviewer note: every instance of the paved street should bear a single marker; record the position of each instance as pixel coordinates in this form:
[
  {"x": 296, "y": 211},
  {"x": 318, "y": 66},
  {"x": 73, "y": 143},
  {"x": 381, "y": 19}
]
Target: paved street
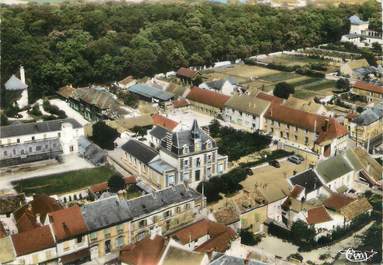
[{"x": 71, "y": 113}]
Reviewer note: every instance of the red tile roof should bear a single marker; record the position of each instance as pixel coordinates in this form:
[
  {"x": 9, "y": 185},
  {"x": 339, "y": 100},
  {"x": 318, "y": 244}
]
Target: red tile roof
[
  {"x": 99, "y": 187},
  {"x": 186, "y": 72},
  {"x": 337, "y": 201},
  {"x": 130, "y": 180},
  {"x": 182, "y": 102},
  {"x": 68, "y": 223},
  {"x": 317, "y": 215},
  {"x": 207, "y": 97},
  {"x": 33, "y": 240},
  {"x": 270, "y": 98},
  {"x": 220, "y": 235},
  {"x": 296, "y": 191},
  {"x": 368, "y": 87},
  {"x": 326, "y": 128},
  {"x": 162, "y": 121},
  {"x": 41, "y": 205},
  {"x": 145, "y": 252}
]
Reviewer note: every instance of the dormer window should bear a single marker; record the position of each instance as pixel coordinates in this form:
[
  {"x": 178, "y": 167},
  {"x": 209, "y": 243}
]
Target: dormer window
[
  {"x": 208, "y": 144},
  {"x": 185, "y": 149}
]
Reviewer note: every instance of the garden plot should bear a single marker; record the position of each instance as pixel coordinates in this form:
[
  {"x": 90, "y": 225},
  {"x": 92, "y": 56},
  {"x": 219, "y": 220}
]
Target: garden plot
[
  {"x": 290, "y": 60},
  {"x": 280, "y": 77},
  {"x": 246, "y": 71},
  {"x": 321, "y": 84}
]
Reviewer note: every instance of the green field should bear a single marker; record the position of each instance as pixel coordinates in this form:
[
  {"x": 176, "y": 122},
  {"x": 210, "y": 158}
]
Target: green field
[
  {"x": 291, "y": 60},
  {"x": 321, "y": 84},
  {"x": 280, "y": 77},
  {"x": 63, "y": 182}
]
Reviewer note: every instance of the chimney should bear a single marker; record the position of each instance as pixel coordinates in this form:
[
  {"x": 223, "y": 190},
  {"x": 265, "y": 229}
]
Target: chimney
[{"x": 22, "y": 74}]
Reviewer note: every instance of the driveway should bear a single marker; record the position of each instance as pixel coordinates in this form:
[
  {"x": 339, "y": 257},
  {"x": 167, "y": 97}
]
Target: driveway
[{"x": 71, "y": 113}]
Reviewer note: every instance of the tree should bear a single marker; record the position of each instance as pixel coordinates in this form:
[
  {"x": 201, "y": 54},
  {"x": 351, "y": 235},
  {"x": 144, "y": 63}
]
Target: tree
[
  {"x": 376, "y": 47},
  {"x": 116, "y": 183},
  {"x": 301, "y": 233},
  {"x": 214, "y": 128},
  {"x": 3, "y": 120},
  {"x": 283, "y": 90},
  {"x": 343, "y": 84},
  {"x": 104, "y": 136},
  {"x": 248, "y": 238}
]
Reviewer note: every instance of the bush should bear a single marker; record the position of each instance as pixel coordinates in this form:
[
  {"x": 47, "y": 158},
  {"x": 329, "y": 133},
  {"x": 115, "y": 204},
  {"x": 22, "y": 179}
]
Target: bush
[
  {"x": 248, "y": 238},
  {"x": 3, "y": 120},
  {"x": 283, "y": 90},
  {"x": 295, "y": 256},
  {"x": 343, "y": 84},
  {"x": 211, "y": 189},
  {"x": 309, "y": 72},
  {"x": 53, "y": 109},
  {"x": 35, "y": 111}
]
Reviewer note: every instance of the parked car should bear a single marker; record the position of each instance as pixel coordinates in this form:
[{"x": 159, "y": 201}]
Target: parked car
[
  {"x": 249, "y": 172},
  {"x": 300, "y": 157},
  {"x": 294, "y": 159},
  {"x": 274, "y": 163}
]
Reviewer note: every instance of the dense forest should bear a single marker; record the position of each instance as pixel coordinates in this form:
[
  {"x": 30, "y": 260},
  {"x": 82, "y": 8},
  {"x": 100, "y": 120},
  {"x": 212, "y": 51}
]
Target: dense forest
[{"x": 93, "y": 43}]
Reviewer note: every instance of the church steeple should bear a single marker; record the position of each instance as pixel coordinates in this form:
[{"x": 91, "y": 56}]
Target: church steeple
[{"x": 195, "y": 130}]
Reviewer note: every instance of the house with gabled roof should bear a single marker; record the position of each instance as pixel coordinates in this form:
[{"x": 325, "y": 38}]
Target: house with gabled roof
[
  {"x": 207, "y": 101},
  {"x": 188, "y": 76},
  {"x": 370, "y": 91}
]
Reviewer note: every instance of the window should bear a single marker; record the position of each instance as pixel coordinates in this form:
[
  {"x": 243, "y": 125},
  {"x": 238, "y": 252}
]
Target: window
[
  {"x": 287, "y": 135},
  {"x": 33, "y": 138},
  {"x": 120, "y": 241},
  {"x": 22, "y": 151},
  {"x": 18, "y": 140},
  {"x": 142, "y": 223},
  {"x": 14, "y": 151},
  {"x": 120, "y": 228},
  {"x": 281, "y": 133},
  {"x": 30, "y": 149},
  {"x": 38, "y": 148},
  {"x": 46, "y": 146},
  {"x": 198, "y": 162},
  {"x": 5, "y": 153},
  {"x": 306, "y": 140},
  {"x": 59, "y": 134},
  {"x": 178, "y": 210},
  {"x": 187, "y": 206},
  {"x": 71, "y": 148},
  {"x": 185, "y": 149},
  {"x": 107, "y": 232},
  {"x": 197, "y": 175},
  {"x": 296, "y": 137},
  {"x": 79, "y": 239},
  {"x": 93, "y": 236},
  {"x": 167, "y": 214},
  {"x": 108, "y": 246}
]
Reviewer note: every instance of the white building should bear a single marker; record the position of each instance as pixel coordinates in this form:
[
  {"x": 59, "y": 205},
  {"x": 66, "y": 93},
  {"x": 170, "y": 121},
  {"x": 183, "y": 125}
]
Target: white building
[
  {"x": 19, "y": 84},
  {"x": 360, "y": 35},
  {"x": 246, "y": 111},
  {"x": 227, "y": 86},
  {"x": 29, "y": 142}
]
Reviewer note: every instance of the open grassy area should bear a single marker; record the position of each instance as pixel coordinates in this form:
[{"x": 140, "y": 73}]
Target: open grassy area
[
  {"x": 280, "y": 77},
  {"x": 63, "y": 182},
  {"x": 247, "y": 71},
  {"x": 291, "y": 60},
  {"x": 321, "y": 84}
]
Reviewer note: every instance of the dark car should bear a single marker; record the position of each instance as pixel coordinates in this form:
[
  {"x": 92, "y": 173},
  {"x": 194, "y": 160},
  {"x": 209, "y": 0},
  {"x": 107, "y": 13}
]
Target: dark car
[
  {"x": 249, "y": 172},
  {"x": 274, "y": 163}
]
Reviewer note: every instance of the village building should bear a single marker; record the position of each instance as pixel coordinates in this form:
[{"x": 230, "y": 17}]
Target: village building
[
  {"x": 307, "y": 106},
  {"x": 360, "y": 35},
  {"x": 371, "y": 92},
  {"x": 228, "y": 86},
  {"x": 114, "y": 222},
  {"x": 352, "y": 68},
  {"x": 155, "y": 136},
  {"x": 165, "y": 122},
  {"x": 94, "y": 102},
  {"x": 174, "y": 253},
  {"x": 18, "y": 85},
  {"x": 206, "y": 101},
  {"x": 314, "y": 136},
  {"x": 185, "y": 156},
  {"x": 10, "y": 203},
  {"x": 29, "y": 142},
  {"x": 246, "y": 111},
  {"x": 366, "y": 128},
  {"x": 205, "y": 236},
  {"x": 188, "y": 76},
  {"x": 307, "y": 185},
  {"x": 125, "y": 83},
  {"x": 151, "y": 94},
  {"x": 70, "y": 230},
  {"x": 123, "y": 125}
]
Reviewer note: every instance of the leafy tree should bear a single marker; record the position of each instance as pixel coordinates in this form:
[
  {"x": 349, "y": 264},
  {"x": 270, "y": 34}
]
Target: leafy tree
[
  {"x": 35, "y": 111},
  {"x": 116, "y": 183},
  {"x": 104, "y": 136},
  {"x": 343, "y": 84},
  {"x": 301, "y": 233},
  {"x": 283, "y": 90},
  {"x": 248, "y": 238},
  {"x": 3, "y": 120},
  {"x": 214, "y": 128},
  {"x": 376, "y": 47}
]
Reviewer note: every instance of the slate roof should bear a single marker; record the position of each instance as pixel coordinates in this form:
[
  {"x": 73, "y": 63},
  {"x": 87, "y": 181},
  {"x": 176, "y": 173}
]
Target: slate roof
[
  {"x": 150, "y": 92},
  {"x": 96, "y": 96},
  {"x": 112, "y": 210},
  {"x": 33, "y": 240},
  {"x": 15, "y": 83},
  {"x": 147, "y": 251},
  {"x": 139, "y": 150},
  {"x": 248, "y": 104},
  {"x": 161, "y": 166},
  {"x": 183, "y": 138},
  {"x": 370, "y": 115},
  {"x": 222, "y": 259},
  {"x": 307, "y": 179},
  {"x": 158, "y": 132},
  {"x": 218, "y": 84},
  {"x": 368, "y": 87},
  {"x": 355, "y": 20},
  {"x": 35, "y": 128},
  {"x": 207, "y": 97},
  {"x": 333, "y": 168}
]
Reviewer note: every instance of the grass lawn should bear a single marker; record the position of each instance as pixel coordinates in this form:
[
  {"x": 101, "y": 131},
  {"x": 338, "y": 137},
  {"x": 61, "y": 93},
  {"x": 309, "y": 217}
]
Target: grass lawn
[
  {"x": 301, "y": 81},
  {"x": 279, "y": 77},
  {"x": 247, "y": 71},
  {"x": 63, "y": 182},
  {"x": 303, "y": 94},
  {"x": 319, "y": 85},
  {"x": 291, "y": 60}
]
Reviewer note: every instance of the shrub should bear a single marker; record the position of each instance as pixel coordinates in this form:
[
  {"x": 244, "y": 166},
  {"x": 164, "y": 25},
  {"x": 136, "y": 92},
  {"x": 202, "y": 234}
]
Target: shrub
[
  {"x": 248, "y": 238},
  {"x": 3, "y": 120},
  {"x": 53, "y": 109},
  {"x": 104, "y": 136},
  {"x": 295, "y": 256},
  {"x": 35, "y": 111}
]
